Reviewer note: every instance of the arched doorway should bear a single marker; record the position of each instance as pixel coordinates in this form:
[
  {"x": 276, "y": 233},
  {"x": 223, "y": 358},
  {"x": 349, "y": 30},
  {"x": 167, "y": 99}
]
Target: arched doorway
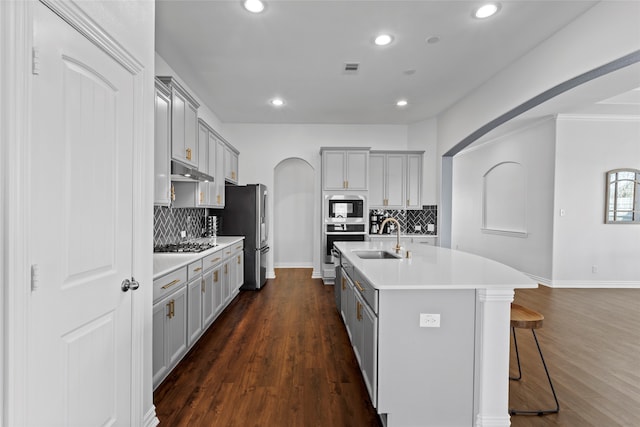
[{"x": 294, "y": 201}]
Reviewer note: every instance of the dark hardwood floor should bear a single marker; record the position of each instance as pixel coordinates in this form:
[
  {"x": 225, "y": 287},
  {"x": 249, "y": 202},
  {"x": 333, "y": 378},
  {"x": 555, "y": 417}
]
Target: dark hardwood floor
[
  {"x": 281, "y": 357},
  {"x": 276, "y": 357}
]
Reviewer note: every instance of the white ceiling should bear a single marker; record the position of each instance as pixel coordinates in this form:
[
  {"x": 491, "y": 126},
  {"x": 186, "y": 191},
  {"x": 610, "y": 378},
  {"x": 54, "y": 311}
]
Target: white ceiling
[{"x": 237, "y": 61}]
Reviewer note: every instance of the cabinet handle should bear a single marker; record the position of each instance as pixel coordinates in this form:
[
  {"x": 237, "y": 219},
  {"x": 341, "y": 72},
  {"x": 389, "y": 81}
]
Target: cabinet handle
[
  {"x": 238, "y": 259},
  {"x": 215, "y": 259},
  {"x": 173, "y": 193},
  {"x": 344, "y": 287},
  {"x": 201, "y": 197},
  {"x": 233, "y": 175},
  {"x": 202, "y": 286},
  {"x": 197, "y": 269},
  {"x": 358, "y": 313},
  {"x": 170, "y": 284},
  {"x": 359, "y": 286},
  {"x": 171, "y": 306},
  {"x": 238, "y": 247},
  {"x": 226, "y": 270},
  {"x": 218, "y": 198},
  {"x": 215, "y": 276},
  {"x": 188, "y": 153}
]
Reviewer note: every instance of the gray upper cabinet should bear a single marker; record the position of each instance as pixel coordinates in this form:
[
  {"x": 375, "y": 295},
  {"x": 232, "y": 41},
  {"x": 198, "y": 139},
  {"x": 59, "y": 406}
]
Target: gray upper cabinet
[
  {"x": 162, "y": 144},
  {"x": 184, "y": 123},
  {"x": 345, "y": 169},
  {"x": 231, "y": 164},
  {"x": 395, "y": 179},
  {"x": 414, "y": 181}
]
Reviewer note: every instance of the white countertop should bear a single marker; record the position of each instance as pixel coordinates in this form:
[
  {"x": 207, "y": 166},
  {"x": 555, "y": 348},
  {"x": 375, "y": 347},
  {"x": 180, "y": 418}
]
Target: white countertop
[
  {"x": 432, "y": 267},
  {"x": 166, "y": 262}
]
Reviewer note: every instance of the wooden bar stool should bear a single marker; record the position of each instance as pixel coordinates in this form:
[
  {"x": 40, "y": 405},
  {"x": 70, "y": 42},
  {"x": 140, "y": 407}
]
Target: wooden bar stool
[{"x": 525, "y": 318}]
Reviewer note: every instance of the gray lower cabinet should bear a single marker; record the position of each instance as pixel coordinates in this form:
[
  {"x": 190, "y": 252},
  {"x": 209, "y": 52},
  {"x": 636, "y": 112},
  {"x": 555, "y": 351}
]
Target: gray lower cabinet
[
  {"x": 361, "y": 323},
  {"x": 194, "y": 324},
  {"x": 169, "y": 333},
  {"x": 184, "y": 309},
  {"x": 208, "y": 300},
  {"x": 364, "y": 338}
]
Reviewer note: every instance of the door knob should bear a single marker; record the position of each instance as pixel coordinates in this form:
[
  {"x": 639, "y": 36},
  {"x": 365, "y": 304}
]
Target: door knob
[{"x": 129, "y": 284}]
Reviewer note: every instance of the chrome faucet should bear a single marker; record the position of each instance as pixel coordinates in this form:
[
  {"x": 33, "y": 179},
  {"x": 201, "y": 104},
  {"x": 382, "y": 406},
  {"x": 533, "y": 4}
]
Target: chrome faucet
[{"x": 397, "y": 248}]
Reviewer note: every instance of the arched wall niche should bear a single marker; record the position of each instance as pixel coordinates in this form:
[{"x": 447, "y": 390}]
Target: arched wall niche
[
  {"x": 294, "y": 201},
  {"x": 504, "y": 199}
]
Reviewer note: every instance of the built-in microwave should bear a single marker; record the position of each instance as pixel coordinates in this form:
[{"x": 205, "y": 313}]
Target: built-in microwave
[{"x": 346, "y": 208}]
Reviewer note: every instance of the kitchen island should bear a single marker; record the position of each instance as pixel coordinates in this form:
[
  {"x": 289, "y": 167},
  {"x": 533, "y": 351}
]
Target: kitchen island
[{"x": 430, "y": 331}]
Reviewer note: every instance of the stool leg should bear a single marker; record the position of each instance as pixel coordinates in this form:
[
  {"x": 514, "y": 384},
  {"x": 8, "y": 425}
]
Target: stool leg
[
  {"x": 541, "y": 411},
  {"x": 515, "y": 343}
]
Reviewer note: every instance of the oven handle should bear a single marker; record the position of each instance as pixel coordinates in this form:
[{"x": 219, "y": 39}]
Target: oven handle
[
  {"x": 342, "y": 233},
  {"x": 335, "y": 252}
]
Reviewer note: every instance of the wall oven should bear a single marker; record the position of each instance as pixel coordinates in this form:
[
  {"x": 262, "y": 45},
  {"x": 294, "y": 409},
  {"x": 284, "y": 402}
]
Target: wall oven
[{"x": 341, "y": 233}]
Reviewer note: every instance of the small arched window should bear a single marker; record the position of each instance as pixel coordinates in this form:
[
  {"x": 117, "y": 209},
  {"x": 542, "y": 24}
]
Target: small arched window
[{"x": 623, "y": 196}]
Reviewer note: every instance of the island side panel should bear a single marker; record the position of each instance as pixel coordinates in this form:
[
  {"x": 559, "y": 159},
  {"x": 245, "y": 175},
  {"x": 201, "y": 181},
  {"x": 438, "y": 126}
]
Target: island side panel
[{"x": 425, "y": 375}]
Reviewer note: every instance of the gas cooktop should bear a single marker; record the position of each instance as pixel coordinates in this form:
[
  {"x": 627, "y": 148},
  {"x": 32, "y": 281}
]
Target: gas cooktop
[{"x": 191, "y": 246}]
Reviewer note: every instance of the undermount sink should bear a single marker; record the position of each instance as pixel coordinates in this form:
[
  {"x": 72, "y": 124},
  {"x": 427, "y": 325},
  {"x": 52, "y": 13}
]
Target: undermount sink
[{"x": 376, "y": 255}]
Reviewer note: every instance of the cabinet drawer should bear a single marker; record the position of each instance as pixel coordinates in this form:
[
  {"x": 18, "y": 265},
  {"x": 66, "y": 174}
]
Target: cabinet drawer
[
  {"x": 238, "y": 246},
  {"x": 194, "y": 269},
  {"x": 169, "y": 283},
  {"x": 212, "y": 260},
  {"x": 368, "y": 292}
]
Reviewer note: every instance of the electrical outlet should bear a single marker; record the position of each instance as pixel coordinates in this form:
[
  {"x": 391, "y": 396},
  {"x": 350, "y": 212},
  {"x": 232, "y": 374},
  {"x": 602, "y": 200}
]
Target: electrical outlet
[
  {"x": 431, "y": 227},
  {"x": 594, "y": 268},
  {"x": 428, "y": 320},
  {"x": 417, "y": 228},
  {"x": 183, "y": 234}
]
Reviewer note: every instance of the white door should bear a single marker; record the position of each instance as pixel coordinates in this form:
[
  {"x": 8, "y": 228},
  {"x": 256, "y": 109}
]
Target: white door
[{"x": 79, "y": 353}]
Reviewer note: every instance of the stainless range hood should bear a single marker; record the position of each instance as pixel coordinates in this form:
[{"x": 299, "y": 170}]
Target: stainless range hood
[{"x": 180, "y": 172}]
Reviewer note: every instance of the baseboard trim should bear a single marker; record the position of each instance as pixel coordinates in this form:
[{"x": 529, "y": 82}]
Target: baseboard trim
[
  {"x": 150, "y": 419},
  {"x": 294, "y": 265},
  {"x": 587, "y": 284},
  {"x": 596, "y": 284}
]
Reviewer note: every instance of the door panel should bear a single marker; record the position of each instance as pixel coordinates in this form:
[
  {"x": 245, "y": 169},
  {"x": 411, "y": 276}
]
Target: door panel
[{"x": 81, "y": 179}]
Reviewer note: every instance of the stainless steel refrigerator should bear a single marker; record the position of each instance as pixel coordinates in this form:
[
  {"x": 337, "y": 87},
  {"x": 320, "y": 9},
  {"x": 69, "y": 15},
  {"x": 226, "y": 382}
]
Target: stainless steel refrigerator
[{"x": 245, "y": 214}]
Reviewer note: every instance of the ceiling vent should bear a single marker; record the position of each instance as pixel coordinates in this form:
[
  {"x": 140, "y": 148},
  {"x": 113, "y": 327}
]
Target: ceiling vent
[{"x": 351, "y": 68}]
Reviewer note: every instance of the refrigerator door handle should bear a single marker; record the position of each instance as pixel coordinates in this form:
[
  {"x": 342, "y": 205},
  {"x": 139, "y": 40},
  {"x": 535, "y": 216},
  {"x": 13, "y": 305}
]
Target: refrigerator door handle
[{"x": 265, "y": 250}]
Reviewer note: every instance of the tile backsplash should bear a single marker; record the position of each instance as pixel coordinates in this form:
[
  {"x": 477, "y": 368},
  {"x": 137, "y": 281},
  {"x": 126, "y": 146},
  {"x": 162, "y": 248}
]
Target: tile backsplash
[
  {"x": 168, "y": 223},
  {"x": 408, "y": 219}
]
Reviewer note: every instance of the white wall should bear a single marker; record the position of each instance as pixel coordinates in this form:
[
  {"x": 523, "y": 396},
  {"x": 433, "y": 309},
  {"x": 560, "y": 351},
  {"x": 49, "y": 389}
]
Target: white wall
[
  {"x": 293, "y": 228},
  {"x": 604, "y": 33},
  {"x": 263, "y": 146},
  {"x": 588, "y": 147},
  {"x": 533, "y": 148}
]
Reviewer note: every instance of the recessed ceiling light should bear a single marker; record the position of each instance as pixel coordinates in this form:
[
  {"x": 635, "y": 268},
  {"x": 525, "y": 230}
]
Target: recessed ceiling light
[
  {"x": 402, "y": 103},
  {"x": 383, "y": 39},
  {"x": 486, "y": 10},
  {"x": 277, "y": 102},
  {"x": 253, "y": 6}
]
